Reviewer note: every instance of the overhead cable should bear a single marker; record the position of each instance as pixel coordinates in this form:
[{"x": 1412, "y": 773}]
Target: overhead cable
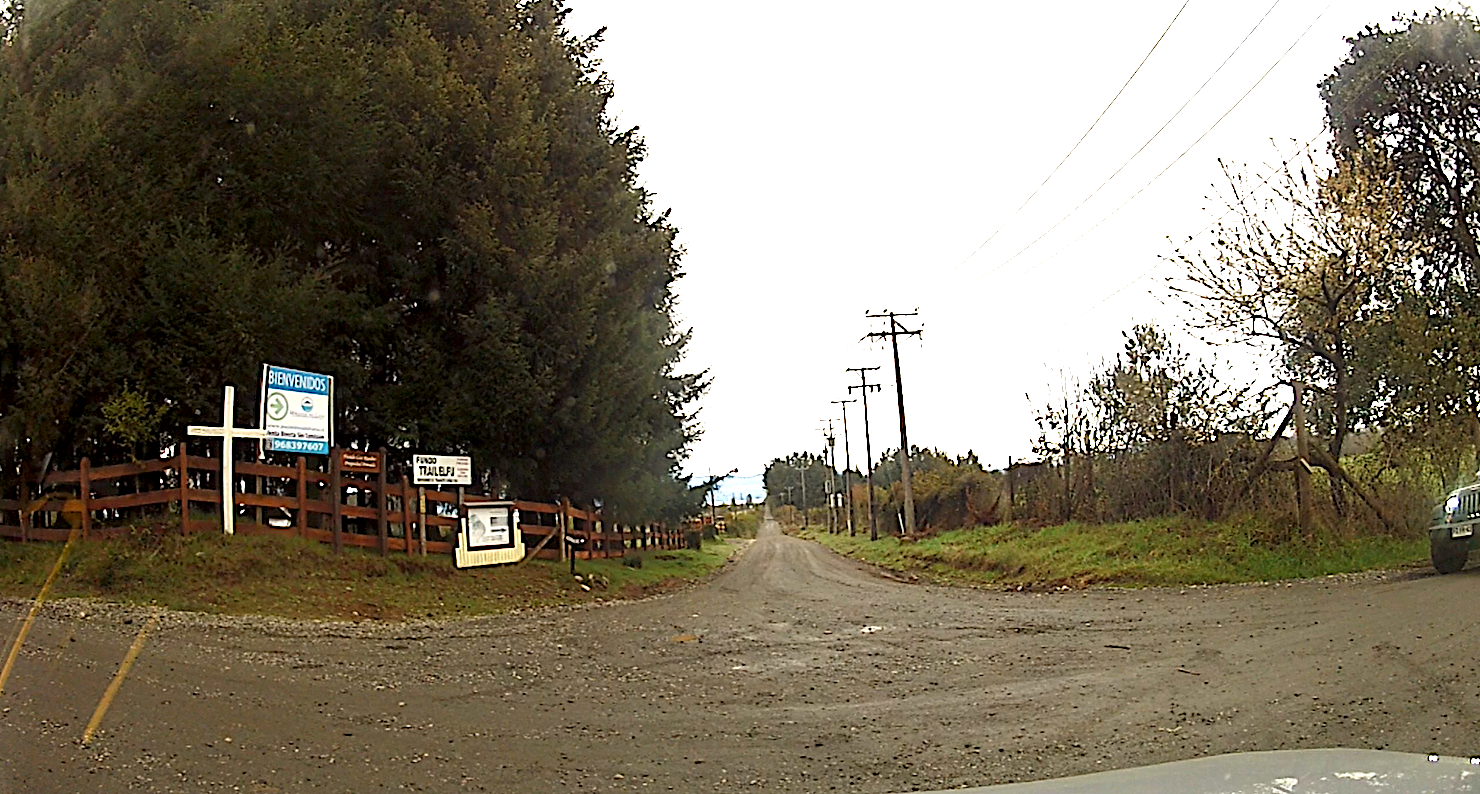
[
  {"x": 1184, "y": 153},
  {"x": 1077, "y": 143},
  {"x": 1143, "y": 146}
]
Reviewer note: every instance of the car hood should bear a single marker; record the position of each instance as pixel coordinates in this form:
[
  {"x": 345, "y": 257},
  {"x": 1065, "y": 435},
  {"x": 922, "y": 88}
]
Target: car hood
[{"x": 1279, "y": 772}]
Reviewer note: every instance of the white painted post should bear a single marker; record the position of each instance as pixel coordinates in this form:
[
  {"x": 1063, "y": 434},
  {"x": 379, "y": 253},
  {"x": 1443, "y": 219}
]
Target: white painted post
[
  {"x": 228, "y": 460},
  {"x": 227, "y": 432}
]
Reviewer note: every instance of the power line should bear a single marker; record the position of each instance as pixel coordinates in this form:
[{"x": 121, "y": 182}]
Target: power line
[
  {"x": 1372, "y": 80},
  {"x": 1077, "y": 143},
  {"x": 1184, "y": 153},
  {"x": 1205, "y": 229},
  {"x": 1143, "y": 146}
]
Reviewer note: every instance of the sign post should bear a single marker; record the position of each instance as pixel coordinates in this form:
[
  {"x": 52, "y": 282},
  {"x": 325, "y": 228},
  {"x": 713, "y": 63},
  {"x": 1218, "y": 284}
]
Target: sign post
[
  {"x": 436, "y": 470},
  {"x": 227, "y": 432}
]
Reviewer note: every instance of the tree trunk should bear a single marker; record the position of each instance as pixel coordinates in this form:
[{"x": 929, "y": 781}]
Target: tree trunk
[
  {"x": 1068, "y": 509},
  {"x": 1339, "y": 431},
  {"x": 1332, "y": 467},
  {"x": 1302, "y": 461}
]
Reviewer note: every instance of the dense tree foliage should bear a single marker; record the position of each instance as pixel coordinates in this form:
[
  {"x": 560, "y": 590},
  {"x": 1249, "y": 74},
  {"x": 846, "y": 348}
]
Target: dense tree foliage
[
  {"x": 1154, "y": 431},
  {"x": 426, "y": 199},
  {"x": 1408, "y": 94},
  {"x": 1310, "y": 267}
]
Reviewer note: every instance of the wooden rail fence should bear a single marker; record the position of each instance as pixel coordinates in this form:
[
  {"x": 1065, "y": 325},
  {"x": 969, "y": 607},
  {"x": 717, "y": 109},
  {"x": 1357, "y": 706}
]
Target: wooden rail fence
[{"x": 341, "y": 508}]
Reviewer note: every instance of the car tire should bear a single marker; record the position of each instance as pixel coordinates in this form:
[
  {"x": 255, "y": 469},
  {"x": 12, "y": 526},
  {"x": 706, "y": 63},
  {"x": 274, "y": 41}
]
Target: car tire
[{"x": 1449, "y": 556}]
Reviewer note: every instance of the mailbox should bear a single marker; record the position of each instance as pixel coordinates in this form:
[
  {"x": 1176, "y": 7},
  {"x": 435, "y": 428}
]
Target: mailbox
[{"x": 489, "y": 535}]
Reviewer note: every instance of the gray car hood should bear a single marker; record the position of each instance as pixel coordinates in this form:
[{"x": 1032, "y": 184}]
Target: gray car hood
[{"x": 1280, "y": 772}]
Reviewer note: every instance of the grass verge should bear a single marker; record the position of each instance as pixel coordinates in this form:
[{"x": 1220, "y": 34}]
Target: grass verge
[
  {"x": 296, "y": 578},
  {"x": 1168, "y": 551}
]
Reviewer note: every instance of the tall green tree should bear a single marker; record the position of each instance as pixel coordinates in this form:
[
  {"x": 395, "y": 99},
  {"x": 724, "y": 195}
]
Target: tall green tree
[
  {"x": 426, "y": 199},
  {"x": 1407, "y": 92}
]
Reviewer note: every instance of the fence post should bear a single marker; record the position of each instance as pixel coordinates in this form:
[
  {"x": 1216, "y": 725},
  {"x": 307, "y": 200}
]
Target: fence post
[
  {"x": 421, "y": 521},
  {"x": 184, "y": 467},
  {"x": 385, "y": 501},
  {"x": 405, "y": 515},
  {"x": 302, "y": 496},
  {"x": 86, "y": 497},
  {"x": 335, "y": 491},
  {"x": 25, "y": 516},
  {"x": 462, "y": 516},
  {"x": 565, "y": 522}
]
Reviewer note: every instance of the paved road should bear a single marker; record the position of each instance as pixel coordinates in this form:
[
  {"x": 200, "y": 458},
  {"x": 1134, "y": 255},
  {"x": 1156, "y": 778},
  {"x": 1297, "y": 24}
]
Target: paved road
[{"x": 794, "y": 670}]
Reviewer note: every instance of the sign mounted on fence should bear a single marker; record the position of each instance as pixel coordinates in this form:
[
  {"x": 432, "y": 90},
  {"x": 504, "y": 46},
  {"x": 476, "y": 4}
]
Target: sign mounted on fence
[
  {"x": 354, "y": 460},
  {"x": 490, "y": 535},
  {"x": 441, "y": 470},
  {"x": 297, "y": 410},
  {"x": 491, "y": 527}
]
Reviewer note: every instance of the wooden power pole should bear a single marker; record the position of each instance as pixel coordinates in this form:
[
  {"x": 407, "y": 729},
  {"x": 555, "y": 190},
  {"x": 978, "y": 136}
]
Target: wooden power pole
[
  {"x": 865, "y": 387},
  {"x": 804, "y": 490},
  {"x": 847, "y": 466},
  {"x": 830, "y": 457},
  {"x": 894, "y": 332}
]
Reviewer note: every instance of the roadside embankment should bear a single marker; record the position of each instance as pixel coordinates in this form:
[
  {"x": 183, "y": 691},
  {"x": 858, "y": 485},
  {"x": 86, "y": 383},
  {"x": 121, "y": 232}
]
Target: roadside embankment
[
  {"x": 295, "y": 578},
  {"x": 1173, "y": 551}
]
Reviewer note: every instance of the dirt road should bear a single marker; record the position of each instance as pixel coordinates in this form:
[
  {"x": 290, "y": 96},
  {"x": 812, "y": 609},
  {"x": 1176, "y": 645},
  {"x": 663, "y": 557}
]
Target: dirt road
[{"x": 794, "y": 670}]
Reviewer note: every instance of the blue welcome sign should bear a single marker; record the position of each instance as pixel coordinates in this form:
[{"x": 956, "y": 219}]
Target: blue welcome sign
[{"x": 297, "y": 410}]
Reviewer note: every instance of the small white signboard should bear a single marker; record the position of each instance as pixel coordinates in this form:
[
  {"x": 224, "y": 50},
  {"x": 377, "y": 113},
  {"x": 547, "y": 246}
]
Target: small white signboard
[
  {"x": 441, "y": 470},
  {"x": 490, "y": 535},
  {"x": 297, "y": 410},
  {"x": 490, "y": 527}
]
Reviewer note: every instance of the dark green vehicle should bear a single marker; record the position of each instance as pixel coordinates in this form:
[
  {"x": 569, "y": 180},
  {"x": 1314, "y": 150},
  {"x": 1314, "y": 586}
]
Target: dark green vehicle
[{"x": 1452, "y": 528}]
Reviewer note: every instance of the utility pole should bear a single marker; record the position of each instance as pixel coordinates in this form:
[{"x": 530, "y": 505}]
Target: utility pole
[
  {"x": 868, "y": 450},
  {"x": 847, "y": 465},
  {"x": 894, "y": 333},
  {"x": 830, "y": 457},
  {"x": 804, "y": 491}
]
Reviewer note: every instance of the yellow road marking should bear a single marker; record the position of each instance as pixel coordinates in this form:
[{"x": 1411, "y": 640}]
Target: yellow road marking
[
  {"x": 117, "y": 682},
  {"x": 15, "y": 648}
]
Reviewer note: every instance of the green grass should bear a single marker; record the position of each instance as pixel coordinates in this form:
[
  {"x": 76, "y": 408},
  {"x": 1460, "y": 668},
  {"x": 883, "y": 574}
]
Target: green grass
[
  {"x": 297, "y": 578},
  {"x": 1169, "y": 551}
]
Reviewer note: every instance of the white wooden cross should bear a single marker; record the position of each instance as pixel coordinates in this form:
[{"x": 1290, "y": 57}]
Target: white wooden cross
[{"x": 228, "y": 433}]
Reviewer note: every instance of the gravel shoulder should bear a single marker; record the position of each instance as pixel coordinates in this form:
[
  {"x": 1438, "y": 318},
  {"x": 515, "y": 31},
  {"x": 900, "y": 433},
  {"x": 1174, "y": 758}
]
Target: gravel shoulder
[{"x": 794, "y": 669}]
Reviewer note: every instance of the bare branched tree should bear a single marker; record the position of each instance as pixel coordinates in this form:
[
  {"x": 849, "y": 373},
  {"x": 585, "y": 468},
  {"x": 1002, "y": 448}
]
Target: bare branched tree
[{"x": 1301, "y": 269}]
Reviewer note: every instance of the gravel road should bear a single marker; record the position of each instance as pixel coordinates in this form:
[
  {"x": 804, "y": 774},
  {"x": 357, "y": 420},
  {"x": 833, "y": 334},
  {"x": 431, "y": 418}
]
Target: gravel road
[{"x": 792, "y": 670}]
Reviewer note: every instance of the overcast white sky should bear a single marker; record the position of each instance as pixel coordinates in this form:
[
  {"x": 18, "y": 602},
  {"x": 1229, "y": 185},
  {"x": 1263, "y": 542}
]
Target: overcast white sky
[{"x": 826, "y": 158}]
